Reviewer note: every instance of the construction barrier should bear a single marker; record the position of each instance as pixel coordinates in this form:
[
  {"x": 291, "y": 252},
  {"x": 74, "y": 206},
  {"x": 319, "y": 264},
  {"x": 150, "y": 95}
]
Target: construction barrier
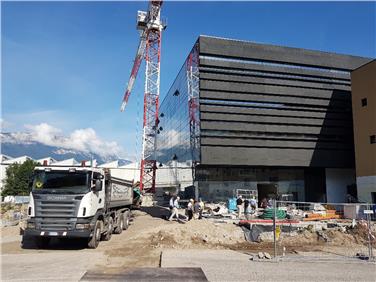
[{"x": 342, "y": 229}]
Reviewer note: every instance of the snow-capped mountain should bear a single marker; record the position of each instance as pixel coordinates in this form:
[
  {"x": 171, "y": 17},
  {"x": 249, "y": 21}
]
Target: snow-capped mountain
[{"x": 17, "y": 144}]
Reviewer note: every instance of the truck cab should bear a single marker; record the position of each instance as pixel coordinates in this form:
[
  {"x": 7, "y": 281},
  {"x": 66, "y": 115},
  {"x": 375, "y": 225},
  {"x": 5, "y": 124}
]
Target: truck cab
[{"x": 77, "y": 202}]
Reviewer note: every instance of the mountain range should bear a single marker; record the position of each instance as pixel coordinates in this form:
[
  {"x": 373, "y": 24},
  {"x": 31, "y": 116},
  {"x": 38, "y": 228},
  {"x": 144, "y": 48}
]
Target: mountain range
[{"x": 18, "y": 144}]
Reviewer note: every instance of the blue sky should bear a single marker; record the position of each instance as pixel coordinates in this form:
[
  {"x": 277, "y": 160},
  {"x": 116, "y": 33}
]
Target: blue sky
[{"x": 67, "y": 63}]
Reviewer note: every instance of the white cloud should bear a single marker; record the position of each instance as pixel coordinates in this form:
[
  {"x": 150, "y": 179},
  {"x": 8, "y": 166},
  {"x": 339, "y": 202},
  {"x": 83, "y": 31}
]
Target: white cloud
[
  {"x": 80, "y": 139},
  {"x": 4, "y": 124},
  {"x": 44, "y": 133}
]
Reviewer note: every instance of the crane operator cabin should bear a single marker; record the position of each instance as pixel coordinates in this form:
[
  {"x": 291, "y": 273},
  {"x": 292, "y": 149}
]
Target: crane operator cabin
[{"x": 242, "y": 115}]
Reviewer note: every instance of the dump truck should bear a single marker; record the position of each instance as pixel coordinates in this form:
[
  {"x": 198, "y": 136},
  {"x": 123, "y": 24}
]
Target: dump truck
[{"x": 77, "y": 202}]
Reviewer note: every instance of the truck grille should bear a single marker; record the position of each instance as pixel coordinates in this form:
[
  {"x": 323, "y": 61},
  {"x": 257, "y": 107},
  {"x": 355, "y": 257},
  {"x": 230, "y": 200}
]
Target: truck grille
[
  {"x": 57, "y": 224},
  {"x": 56, "y": 215},
  {"x": 56, "y": 209}
]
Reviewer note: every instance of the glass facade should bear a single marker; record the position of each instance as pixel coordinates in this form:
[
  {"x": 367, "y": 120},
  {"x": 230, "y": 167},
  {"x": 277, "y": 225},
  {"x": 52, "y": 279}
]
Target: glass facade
[
  {"x": 220, "y": 183},
  {"x": 173, "y": 139}
]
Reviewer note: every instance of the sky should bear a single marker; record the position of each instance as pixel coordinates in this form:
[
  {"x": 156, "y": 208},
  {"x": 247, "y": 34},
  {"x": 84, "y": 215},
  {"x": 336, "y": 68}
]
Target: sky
[{"x": 65, "y": 65}]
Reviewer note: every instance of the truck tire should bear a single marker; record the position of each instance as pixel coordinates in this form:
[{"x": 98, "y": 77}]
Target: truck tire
[
  {"x": 42, "y": 242},
  {"x": 126, "y": 220},
  {"x": 94, "y": 240},
  {"x": 25, "y": 242},
  {"x": 120, "y": 224},
  {"x": 110, "y": 229}
]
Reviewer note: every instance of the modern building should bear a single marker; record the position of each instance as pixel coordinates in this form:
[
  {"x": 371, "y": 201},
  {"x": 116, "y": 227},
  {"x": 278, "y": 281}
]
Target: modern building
[
  {"x": 273, "y": 119},
  {"x": 363, "y": 85}
]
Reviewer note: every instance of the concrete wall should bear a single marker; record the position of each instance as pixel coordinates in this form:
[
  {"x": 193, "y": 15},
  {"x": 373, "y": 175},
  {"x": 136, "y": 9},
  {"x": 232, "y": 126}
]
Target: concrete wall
[
  {"x": 337, "y": 181},
  {"x": 366, "y": 185},
  {"x": 364, "y": 117}
]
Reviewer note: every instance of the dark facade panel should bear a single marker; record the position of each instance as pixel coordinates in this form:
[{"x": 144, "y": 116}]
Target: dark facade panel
[
  {"x": 205, "y": 94},
  {"x": 272, "y": 105},
  {"x": 272, "y": 119},
  {"x": 270, "y": 81},
  {"x": 273, "y": 89},
  {"x": 271, "y": 53},
  {"x": 275, "y": 157},
  {"x": 263, "y": 111},
  {"x": 237, "y": 126},
  {"x": 204, "y": 62},
  {"x": 267, "y": 143}
]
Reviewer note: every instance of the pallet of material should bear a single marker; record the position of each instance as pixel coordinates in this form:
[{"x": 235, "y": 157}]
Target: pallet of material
[
  {"x": 311, "y": 217},
  {"x": 278, "y": 221}
]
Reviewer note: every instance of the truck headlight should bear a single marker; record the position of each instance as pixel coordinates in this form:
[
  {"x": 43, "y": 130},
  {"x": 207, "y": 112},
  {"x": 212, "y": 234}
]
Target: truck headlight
[
  {"x": 82, "y": 226},
  {"x": 31, "y": 225}
]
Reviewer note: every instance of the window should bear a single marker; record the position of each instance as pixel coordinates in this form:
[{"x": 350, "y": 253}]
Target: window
[
  {"x": 364, "y": 102},
  {"x": 372, "y": 139}
]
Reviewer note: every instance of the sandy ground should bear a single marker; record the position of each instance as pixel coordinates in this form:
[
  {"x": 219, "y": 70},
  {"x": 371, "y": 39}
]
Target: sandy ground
[{"x": 141, "y": 246}]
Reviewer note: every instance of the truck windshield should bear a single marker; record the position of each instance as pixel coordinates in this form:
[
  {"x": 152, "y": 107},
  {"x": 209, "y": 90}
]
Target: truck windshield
[{"x": 61, "y": 182}]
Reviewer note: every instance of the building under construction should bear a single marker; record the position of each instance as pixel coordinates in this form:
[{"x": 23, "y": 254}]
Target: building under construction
[{"x": 274, "y": 119}]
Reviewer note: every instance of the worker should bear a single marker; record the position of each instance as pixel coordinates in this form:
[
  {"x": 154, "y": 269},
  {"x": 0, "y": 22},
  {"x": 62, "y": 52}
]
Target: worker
[
  {"x": 171, "y": 203},
  {"x": 270, "y": 203},
  {"x": 196, "y": 210},
  {"x": 247, "y": 209},
  {"x": 202, "y": 206},
  {"x": 253, "y": 203},
  {"x": 175, "y": 211},
  {"x": 239, "y": 205},
  {"x": 190, "y": 209},
  {"x": 264, "y": 203}
]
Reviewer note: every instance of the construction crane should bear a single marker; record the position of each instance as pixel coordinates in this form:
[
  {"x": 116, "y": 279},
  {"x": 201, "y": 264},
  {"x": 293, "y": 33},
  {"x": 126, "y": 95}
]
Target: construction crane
[
  {"x": 149, "y": 48},
  {"x": 192, "y": 71}
]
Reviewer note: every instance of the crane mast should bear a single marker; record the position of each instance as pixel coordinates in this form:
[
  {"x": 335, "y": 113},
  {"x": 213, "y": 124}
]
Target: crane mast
[
  {"x": 192, "y": 72},
  {"x": 150, "y": 26}
]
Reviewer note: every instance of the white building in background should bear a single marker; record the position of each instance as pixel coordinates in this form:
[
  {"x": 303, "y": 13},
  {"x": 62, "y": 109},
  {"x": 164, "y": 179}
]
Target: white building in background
[
  {"x": 18, "y": 160},
  {"x": 47, "y": 161},
  {"x": 114, "y": 164},
  {"x": 130, "y": 172},
  {"x": 67, "y": 162},
  {"x": 3, "y": 167}
]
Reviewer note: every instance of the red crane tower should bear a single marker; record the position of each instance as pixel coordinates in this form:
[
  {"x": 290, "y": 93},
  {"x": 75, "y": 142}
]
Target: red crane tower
[{"x": 149, "y": 48}]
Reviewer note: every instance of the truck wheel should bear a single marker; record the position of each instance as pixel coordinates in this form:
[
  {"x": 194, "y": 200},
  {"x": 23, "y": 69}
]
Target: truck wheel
[
  {"x": 42, "y": 242},
  {"x": 24, "y": 242},
  {"x": 110, "y": 229},
  {"x": 126, "y": 220},
  {"x": 94, "y": 241},
  {"x": 120, "y": 224}
]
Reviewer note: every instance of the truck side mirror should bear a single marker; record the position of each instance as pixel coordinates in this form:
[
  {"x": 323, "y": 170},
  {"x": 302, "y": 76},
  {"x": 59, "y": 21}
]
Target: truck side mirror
[{"x": 98, "y": 185}]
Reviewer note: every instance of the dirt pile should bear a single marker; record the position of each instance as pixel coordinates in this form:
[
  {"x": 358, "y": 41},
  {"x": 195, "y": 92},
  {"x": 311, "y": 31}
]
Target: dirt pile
[
  {"x": 345, "y": 237},
  {"x": 197, "y": 233},
  {"x": 361, "y": 232},
  {"x": 12, "y": 214}
]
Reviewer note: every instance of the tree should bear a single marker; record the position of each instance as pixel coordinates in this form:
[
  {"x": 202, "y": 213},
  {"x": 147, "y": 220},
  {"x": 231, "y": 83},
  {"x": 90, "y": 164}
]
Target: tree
[{"x": 17, "y": 179}]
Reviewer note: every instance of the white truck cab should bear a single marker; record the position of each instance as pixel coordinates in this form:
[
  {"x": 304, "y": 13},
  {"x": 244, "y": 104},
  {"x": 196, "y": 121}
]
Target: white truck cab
[{"x": 77, "y": 202}]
